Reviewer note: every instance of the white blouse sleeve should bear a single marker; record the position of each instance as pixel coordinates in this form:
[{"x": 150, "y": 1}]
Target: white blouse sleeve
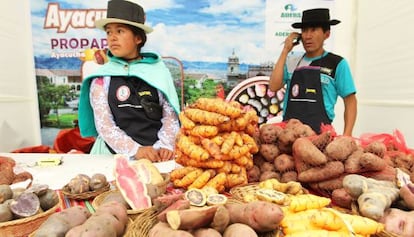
[
  {"x": 114, "y": 136},
  {"x": 170, "y": 126}
]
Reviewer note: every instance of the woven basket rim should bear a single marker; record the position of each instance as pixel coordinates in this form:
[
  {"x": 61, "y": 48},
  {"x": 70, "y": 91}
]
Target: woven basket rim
[
  {"x": 31, "y": 218},
  {"x": 98, "y": 200},
  {"x": 85, "y": 195}
]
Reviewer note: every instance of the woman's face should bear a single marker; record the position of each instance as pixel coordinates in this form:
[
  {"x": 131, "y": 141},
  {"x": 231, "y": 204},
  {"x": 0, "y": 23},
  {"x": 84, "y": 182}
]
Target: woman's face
[{"x": 121, "y": 41}]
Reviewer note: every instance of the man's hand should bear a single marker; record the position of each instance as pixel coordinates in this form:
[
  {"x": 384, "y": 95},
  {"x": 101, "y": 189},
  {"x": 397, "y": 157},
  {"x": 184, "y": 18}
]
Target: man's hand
[{"x": 289, "y": 41}]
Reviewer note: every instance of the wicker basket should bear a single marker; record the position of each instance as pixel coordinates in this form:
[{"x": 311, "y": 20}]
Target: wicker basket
[
  {"x": 85, "y": 195},
  {"x": 142, "y": 223},
  {"x": 97, "y": 201},
  {"x": 24, "y": 227},
  {"x": 241, "y": 192}
]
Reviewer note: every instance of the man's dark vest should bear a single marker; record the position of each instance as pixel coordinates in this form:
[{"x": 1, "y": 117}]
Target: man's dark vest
[{"x": 305, "y": 95}]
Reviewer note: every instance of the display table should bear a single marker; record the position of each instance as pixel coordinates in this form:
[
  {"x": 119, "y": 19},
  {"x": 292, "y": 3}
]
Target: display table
[{"x": 72, "y": 164}]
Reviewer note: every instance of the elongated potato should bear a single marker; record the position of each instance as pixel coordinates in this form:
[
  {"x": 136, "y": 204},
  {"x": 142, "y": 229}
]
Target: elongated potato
[
  {"x": 262, "y": 216},
  {"x": 191, "y": 218},
  {"x": 59, "y": 223}
]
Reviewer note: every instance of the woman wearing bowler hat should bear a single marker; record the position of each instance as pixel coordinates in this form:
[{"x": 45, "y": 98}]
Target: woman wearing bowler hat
[
  {"x": 129, "y": 103},
  {"x": 316, "y": 79}
]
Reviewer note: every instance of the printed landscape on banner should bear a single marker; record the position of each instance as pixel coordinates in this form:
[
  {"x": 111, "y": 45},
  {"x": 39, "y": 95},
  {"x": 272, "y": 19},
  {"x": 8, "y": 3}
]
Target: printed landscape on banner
[{"x": 211, "y": 48}]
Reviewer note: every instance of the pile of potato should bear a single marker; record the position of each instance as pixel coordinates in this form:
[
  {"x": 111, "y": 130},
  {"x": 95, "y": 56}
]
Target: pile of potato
[
  {"x": 215, "y": 145},
  {"x": 23, "y": 203},
  {"x": 328, "y": 164},
  {"x": 275, "y": 159},
  {"x": 82, "y": 183},
  {"x": 295, "y": 153},
  {"x": 109, "y": 220}
]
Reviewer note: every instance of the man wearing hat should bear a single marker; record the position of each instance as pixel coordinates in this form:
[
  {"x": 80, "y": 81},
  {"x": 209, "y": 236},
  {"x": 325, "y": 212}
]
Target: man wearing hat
[
  {"x": 129, "y": 103},
  {"x": 316, "y": 79}
]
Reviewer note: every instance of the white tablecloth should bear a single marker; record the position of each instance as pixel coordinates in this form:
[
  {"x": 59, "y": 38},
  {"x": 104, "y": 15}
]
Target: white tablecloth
[{"x": 72, "y": 164}]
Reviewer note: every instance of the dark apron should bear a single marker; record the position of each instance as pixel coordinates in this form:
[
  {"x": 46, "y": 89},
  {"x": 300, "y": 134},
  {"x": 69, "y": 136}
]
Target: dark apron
[{"x": 305, "y": 98}]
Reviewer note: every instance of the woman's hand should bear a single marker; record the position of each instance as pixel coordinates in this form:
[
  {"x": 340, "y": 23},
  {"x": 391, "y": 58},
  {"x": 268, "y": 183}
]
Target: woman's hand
[
  {"x": 166, "y": 154},
  {"x": 149, "y": 153},
  {"x": 154, "y": 155}
]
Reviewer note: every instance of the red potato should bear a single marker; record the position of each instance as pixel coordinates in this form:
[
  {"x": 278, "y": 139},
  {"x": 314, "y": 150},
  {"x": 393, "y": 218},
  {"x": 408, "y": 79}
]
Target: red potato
[
  {"x": 96, "y": 226},
  {"x": 258, "y": 160},
  {"x": 322, "y": 140},
  {"x": 59, "y": 223},
  {"x": 180, "y": 204},
  {"x": 340, "y": 148},
  {"x": 353, "y": 163},
  {"x": 269, "y": 175},
  {"x": 253, "y": 174},
  {"x": 162, "y": 229},
  {"x": 5, "y": 192},
  {"x": 238, "y": 230},
  {"x": 329, "y": 184},
  {"x": 221, "y": 219},
  {"x": 269, "y": 152},
  {"x": 5, "y": 212},
  {"x": 286, "y": 138},
  {"x": 289, "y": 176},
  {"x": 49, "y": 199},
  {"x": 284, "y": 162},
  {"x": 118, "y": 211},
  {"x": 267, "y": 166},
  {"x": 291, "y": 123},
  {"x": 372, "y": 162},
  {"x": 97, "y": 181},
  {"x": 193, "y": 218},
  {"x": 109, "y": 220},
  {"x": 330, "y": 170},
  {"x": 341, "y": 198},
  {"x": 303, "y": 149},
  {"x": 376, "y": 147},
  {"x": 269, "y": 133},
  {"x": 303, "y": 130},
  {"x": 387, "y": 174},
  {"x": 262, "y": 216}
]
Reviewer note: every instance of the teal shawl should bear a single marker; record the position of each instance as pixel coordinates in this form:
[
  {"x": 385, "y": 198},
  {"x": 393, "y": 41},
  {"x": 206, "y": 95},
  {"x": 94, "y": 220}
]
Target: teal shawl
[{"x": 151, "y": 69}]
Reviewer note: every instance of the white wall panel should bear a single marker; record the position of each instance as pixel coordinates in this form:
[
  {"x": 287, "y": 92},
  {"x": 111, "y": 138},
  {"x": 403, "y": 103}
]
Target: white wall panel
[{"x": 19, "y": 117}]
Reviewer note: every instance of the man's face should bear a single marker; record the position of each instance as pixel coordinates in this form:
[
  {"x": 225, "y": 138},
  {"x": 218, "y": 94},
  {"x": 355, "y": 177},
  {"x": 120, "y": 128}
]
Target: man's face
[{"x": 313, "y": 39}]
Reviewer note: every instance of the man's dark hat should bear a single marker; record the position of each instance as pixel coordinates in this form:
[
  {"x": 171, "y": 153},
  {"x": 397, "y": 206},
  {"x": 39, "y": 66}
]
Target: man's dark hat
[
  {"x": 315, "y": 17},
  {"x": 125, "y": 12}
]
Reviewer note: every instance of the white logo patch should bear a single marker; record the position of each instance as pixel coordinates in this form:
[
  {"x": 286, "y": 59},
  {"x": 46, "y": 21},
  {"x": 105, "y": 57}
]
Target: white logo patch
[
  {"x": 123, "y": 93},
  {"x": 295, "y": 90}
]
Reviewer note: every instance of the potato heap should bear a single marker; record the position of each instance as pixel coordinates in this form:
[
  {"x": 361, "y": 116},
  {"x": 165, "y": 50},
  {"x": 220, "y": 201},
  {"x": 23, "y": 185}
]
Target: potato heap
[
  {"x": 82, "y": 183},
  {"x": 325, "y": 163},
  {"x": 215, "y": 145},
  {"x": 274, "y": 159},
  {"x": 20, "y": 203}
]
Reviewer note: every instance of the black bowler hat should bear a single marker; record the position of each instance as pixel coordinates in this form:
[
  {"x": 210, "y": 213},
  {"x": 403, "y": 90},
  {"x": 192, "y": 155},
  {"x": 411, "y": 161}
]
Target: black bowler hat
[
  {"x": 315, "y": 17},
  {"x": 125, "y": 12}
]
